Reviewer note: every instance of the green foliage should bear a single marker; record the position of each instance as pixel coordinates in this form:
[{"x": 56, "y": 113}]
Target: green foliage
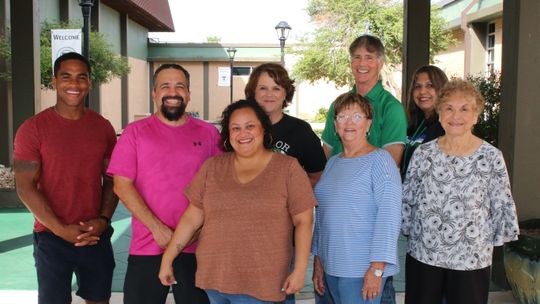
[
  {"x": 324, "y": 53},
  {"x": 105, "y": 64},
  {"x": 321, "y": 115},
  {"x": 5, "y": 54},
  {"x": 487, "y": 127},
  {"x": 213, "y": 39}
]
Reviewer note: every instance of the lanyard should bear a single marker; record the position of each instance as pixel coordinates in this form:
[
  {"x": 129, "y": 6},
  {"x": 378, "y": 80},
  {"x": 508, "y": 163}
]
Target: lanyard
[{"x": 421, "y": 128}]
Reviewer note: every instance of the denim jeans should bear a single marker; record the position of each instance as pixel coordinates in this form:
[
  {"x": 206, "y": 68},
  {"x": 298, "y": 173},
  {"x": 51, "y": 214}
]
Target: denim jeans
[
  {"x": 217, "y": 297},
  {"x": 388, "y": 293},
  {"x": 349, "y": 290},
  {"x": 325, "y": 298}
]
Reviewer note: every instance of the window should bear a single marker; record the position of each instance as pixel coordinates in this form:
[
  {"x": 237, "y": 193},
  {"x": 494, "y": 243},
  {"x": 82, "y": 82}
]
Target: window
[
  {"x": 490, "y": 48},
  {"x": 242, "y": 71}
]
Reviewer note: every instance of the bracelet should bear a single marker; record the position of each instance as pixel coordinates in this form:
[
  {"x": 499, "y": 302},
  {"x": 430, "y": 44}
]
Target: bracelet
[{"x": 106, "y": 219}]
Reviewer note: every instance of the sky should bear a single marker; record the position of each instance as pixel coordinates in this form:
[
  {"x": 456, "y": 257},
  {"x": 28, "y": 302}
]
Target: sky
[{"x": 235, "y": 21}]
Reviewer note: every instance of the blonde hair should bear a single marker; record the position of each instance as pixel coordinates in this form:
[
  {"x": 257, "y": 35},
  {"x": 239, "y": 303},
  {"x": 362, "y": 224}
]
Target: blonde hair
[{"x": 467, "y": 89}]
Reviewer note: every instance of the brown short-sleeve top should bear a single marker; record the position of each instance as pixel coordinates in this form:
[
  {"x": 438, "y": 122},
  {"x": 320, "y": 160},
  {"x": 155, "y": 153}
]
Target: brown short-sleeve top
[{"x": 245, "y": 243}]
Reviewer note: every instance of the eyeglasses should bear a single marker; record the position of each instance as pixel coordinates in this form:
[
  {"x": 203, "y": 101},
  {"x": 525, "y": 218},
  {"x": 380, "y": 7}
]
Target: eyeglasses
[{"x": 356, "y": 118}]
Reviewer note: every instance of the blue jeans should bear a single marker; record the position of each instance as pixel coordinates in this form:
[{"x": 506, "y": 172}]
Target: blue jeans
[
  {"x": 388, "y": 292},
  {"x": 325, "y": 298},
  {"x": 289, "y": 299},
  {"x": 217, "y": 297},
  {"x": 349, "y": 290}
]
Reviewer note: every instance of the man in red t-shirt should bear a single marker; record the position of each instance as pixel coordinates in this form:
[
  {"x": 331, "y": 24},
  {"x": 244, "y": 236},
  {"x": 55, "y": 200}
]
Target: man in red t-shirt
[{"x": 60, "y": 158}]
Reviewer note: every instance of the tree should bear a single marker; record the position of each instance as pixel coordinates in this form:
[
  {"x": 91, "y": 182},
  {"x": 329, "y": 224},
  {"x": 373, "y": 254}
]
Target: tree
[
  {"x": 105, "y": 64},
  {"x": 213, "y": 39},
  {"x": 324, "y": 53},
  {"x": 5, "y": 54}
]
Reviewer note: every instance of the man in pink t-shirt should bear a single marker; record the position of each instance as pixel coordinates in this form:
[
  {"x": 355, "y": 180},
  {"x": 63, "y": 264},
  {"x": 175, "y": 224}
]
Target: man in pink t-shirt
[{"x": 154, "y": 160}]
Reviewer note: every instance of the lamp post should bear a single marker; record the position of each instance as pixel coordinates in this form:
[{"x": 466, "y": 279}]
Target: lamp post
[
  {"x": 231, "y": 52},
  {"x": 86, "y": 8},
  {"x": 282, "y": 29}
]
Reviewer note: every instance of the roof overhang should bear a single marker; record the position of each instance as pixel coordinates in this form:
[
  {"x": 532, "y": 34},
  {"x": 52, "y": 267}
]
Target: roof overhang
[{"x": 155, "y": 15}]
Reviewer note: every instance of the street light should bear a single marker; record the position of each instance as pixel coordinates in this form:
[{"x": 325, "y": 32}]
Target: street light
[
  {"x": 282, "y": 29},
  {"x": 231, "y": 52},
  {"x": 86, "y": 8}
]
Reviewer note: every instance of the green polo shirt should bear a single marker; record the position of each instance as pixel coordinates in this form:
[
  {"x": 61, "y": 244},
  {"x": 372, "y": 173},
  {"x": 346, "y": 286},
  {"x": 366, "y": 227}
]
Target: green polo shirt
[{"x": 389, "y": 125}]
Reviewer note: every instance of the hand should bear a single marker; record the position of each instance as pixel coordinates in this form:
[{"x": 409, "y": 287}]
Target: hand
[
  {"x": 318, "y": 276},
  {"x": 92, "y": 231},
  {"x": 293, "y": 283},
  {"x": 372, "y": 285},
  {"x": 70, "y": 233},
  {"x": 166, "y": 275},
  {"x": 162, "y": 235}
]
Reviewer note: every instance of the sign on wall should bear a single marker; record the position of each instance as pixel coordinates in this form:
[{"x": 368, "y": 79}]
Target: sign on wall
[
  {"x": 224, "y": 76},
  {"x": 65, "y": 41}
]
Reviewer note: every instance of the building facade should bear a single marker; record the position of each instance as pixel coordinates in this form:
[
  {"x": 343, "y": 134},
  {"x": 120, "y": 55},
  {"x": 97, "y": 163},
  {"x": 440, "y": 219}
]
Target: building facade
[{"x": 477, "y": 28}]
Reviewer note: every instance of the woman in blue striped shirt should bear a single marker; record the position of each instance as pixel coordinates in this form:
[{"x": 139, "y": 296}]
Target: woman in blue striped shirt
[{"x": 358, "y": 217}]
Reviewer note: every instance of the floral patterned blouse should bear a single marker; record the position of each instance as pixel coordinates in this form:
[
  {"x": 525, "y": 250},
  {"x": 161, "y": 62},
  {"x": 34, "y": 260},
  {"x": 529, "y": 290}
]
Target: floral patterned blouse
[{"x": 455, "y": 209}]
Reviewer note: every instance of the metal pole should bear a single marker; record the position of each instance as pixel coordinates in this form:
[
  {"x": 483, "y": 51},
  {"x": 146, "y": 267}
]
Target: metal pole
[
  {"x": 86, "y": 9},
  {"x": 282, "y": 44},
  {"x": 231, "y": 77}
]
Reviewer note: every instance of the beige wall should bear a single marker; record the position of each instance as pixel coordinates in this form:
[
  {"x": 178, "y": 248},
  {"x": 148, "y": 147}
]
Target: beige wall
[
  {"x": 452, "y": 61},
  {"x": 498, "y": 43},
  {"x": 220, "y": 97},
  {"x": 138, "y": 89},
  {"x": 111, "y": 102},
  {"x": 48, "y": 99}
]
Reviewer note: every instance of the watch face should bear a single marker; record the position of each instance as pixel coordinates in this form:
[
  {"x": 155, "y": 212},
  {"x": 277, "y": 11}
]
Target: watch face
[{"x": 378, "y": 272}]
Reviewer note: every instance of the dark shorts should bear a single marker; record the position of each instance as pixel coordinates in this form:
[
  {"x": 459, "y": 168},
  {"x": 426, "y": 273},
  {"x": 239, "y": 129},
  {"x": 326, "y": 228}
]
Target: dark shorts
[
  {"x": 142, "y": 285},
  {"x": 57, "y": 260}
]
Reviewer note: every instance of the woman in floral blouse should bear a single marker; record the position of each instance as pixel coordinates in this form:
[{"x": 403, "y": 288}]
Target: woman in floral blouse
[{"x": 457, "y": 205}]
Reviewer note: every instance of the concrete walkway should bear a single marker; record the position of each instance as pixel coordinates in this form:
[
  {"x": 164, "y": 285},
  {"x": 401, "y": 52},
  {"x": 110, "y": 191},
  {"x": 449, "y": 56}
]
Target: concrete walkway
[
  {"x": 30, "y": 297},
  {"x": 18, "y": 282}
]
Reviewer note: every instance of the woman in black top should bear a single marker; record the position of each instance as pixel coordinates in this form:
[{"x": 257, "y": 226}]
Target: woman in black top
[{"x": 423, "y": 121}]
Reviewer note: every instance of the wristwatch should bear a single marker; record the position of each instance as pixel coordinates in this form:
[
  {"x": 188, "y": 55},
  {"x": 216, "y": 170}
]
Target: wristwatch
[{"x": 377, "y": 272}]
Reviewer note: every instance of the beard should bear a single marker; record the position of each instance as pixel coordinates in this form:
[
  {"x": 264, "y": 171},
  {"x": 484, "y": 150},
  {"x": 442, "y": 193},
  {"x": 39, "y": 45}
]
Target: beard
[{"x": 173, "y": 113}]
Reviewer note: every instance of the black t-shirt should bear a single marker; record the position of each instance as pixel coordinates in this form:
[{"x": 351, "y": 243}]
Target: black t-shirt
[{"x": 294, "y": 137}]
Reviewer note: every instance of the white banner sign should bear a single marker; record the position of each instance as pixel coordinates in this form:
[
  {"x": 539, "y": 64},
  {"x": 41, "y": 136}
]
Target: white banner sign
[
  {"x": 224, "y": 76},
  {"x": 65, "y": 41}
]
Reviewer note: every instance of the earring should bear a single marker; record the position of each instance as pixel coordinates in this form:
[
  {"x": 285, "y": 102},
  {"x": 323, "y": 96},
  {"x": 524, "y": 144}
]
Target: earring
[{"x": 225, "y": 144}]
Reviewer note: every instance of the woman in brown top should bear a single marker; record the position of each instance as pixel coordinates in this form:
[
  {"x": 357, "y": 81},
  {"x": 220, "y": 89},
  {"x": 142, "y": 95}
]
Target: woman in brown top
[{"x": 247, "y": 203}]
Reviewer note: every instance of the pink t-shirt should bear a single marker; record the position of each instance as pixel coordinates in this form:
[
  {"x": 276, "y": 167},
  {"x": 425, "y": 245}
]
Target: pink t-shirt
[
  {"x": 161, "y": 160},
  {"x": 72, "y": 155}
]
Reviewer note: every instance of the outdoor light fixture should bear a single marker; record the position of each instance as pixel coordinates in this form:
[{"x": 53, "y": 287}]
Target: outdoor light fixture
[
  {"x": 282, "y": 30},
  {"x": 86, "y": 8},
  {"x": 231, "y": 52}
]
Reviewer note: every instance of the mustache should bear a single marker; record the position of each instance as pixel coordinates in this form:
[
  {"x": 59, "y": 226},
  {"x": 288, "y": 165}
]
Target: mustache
[{"x": 179, "y": 98}]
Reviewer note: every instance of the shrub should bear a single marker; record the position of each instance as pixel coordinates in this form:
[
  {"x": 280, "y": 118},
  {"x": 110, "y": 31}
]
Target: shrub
[{"x": 489, "y": 86}]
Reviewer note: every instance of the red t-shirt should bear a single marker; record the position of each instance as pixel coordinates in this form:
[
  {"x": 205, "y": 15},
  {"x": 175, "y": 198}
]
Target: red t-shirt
[{"x": 72, "y": 154}]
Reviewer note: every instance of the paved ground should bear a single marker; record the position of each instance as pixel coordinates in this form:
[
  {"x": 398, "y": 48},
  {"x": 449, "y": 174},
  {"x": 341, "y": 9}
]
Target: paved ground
[{"x": 18, "y": 278}]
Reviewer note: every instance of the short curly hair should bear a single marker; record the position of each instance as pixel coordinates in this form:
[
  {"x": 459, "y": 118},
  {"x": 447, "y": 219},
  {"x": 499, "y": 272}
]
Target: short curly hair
[
  {"x": 348, "y": 99},
  {"x": 280, "y": 76},
  {"x": 259, "y": 112},
  {"x": 468, "y": 91}
]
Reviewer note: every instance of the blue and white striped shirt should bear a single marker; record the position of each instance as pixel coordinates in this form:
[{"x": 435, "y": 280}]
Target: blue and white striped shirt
[{"x": 358, "y": 217}]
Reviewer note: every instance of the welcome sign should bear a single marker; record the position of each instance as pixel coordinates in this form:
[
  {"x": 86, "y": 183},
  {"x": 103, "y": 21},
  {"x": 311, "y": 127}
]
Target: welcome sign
[{"x": 65, "y": 41}]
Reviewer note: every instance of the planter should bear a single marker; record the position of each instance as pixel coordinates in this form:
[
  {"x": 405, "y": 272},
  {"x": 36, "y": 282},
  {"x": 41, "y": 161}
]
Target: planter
[
  {"x": 522, "y": 265},
  {"x": 10, "y": 199}
]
